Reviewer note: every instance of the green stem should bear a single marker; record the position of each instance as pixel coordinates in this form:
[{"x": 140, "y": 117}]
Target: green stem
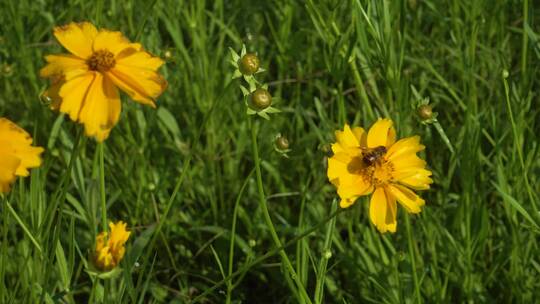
[
  {"x": 359, "y": 83},
  {"x": 99, "y": 9},
  {"x": 517, "y": 147},
  {"x": 268, "y": 219},
  {"x": 267, "y": 255},
  {"x": 148, "y": 9},
  {"x": 233, "y": 236},
  {"x": 327, "y": 254},
  {"x": 23, "y": 226},
  {"x": 180, "y": 180},
  {"x": 441, "y": 132},
  {"x": 59, "y": 199},
  {"x": 525, "y": 39},
  {"x": 102, "y": 187},
  {"x": 410, "y": 240},
  {"x": 4, "y": 251}
]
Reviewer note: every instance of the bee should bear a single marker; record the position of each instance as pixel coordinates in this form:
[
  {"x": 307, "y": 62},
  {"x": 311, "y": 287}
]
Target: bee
[{"x": 371, "y": 156}]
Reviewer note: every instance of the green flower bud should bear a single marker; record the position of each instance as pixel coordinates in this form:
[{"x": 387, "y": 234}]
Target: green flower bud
[
  {"x": 282, "y": 143},
  {"x": 168, "y": 55},
  {"x": 260, "y": 99},
  {"x": 249, "y": 64},
  {"x": 7, "y": 69},
  {"x": 425, "y": 112}
]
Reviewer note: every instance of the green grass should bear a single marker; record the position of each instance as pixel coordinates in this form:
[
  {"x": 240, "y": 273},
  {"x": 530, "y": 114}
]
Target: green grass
[{"x": 183, "y": 176}]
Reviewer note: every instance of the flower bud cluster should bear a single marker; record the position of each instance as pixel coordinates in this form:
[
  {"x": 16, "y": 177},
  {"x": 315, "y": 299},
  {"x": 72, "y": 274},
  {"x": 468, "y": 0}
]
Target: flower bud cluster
[{"x": 257, "y": 98}]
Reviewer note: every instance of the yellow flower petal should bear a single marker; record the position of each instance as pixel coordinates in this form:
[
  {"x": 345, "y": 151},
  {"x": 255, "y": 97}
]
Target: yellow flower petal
[
  {"x": 354, "y": 186},
  {"x": 141, "y": 60},
  {"x": 17, "y": 154},
  {"x": 77, "y": 38},
  {"x": 382, "y": 133},
  {"x": 407, "y": 162},
  {"x": 112, "y": 41},
  {"x": 101, "y": 109},
  {"x": 73, "y": 94},
  {"x": 8, "y": 166},
  {"x": 347, "y": 202},
  {"x": 360, "y": 135},
  {"x": 382, "y": 211},
  {"x": 141, "y": 85},
  {"x": 408, "y": 199},
  {"x": 53, "y": 92},
  {"x": 418, "y": 181},
  {"x": 342, "y": 164},
  {"x": 404, "y": 147},
  {"x": 109, "y": 252},
  {"x": 19, "y": 143},
  {"x": 347, "y": 138},
  {"x": 62, "y": 63}
]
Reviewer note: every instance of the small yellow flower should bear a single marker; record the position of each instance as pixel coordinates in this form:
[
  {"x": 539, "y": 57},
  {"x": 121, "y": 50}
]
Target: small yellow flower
[
  {"x": 85, "y": 83},
  {"x": 110, "y": 250},
  {"x": 374, "y": 163},
  {"x": 16, "y": 154}
]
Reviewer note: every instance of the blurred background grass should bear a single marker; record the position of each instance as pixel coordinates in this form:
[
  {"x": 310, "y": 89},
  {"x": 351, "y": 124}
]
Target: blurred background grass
[{"x": 329, "y": 62}]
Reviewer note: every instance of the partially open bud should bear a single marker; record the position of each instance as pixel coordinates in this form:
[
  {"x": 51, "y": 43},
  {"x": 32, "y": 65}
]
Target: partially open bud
[
  {"x": 260, "y": 99},
  {"x": 282, "y": 143},
  {"x": 425, "y": 112},
  {"x": 249, "y": 64}
]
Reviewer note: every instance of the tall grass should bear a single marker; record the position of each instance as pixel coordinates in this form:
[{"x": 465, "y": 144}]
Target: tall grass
[{"x": 182, "y": 176}]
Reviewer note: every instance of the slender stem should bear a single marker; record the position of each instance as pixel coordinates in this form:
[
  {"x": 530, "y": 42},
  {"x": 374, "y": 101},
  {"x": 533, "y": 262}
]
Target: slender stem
[
  {"x": 57, "y": 206},
  {"x": 410, "y": 240},
  {"x": 268, "y": 219},
  {"x": 148, "y": 9},
  {"x": 327, "y": 254},
  {"x": 525, "y": 38},
  {"x": 359, "y": 83},
  {"x": 102, "y": 187},
  {"x": 233, "y": 236},
  {"x": 517, "y": 146},
  {"x": 180, "y": 180},
  {"x": 23, "y": 226},
  {"x": 268, "y": 255},
  {"x": 4, "y": 251},
  {"x": 99, "y": 9}
]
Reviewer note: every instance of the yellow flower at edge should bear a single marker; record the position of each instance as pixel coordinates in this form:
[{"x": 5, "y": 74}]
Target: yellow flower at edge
[
  {"x": 85, "y": 83},
  {"x": 111, "y": 249},
  {"x": 374, "y": 163},
  {"x": 17, "y": 154}
]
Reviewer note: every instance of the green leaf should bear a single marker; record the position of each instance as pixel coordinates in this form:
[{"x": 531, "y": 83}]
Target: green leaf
[
  {"x": 166, "y": 117},
  {"x": 234, "y": 55},
  {"x": 516, "y": 205}
]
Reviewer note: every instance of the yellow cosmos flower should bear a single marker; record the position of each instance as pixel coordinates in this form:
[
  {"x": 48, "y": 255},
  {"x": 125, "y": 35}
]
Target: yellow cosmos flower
[
  {"x": 374, "y": 163},
  {"x": 111, "y": 249},
  {"x": 16, "y": 154},
  {"x": 85, "y": 83}
]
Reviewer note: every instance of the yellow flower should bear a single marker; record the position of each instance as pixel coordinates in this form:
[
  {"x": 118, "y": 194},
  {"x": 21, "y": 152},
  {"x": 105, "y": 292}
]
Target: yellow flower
[
  {"x": 374, "y": 163},
  {"x": 16, "y": 154},
  {"x": 110, "y": 250},
  {"x": 85, "y": 83}
]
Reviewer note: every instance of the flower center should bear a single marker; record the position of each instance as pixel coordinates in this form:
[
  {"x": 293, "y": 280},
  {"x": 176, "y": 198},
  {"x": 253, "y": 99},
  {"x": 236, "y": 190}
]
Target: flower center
[
  {"x": 379, "y": 173},
  {"x": 101, "y": 61}
]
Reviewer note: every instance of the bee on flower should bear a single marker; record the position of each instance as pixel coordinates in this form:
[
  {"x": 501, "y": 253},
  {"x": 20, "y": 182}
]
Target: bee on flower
[
  {"x": 110, "y": 248},
  {"x": 375, "y": 163},
  {"x": 85, "y": 83},
  {"x": 17, "y": 154}
]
